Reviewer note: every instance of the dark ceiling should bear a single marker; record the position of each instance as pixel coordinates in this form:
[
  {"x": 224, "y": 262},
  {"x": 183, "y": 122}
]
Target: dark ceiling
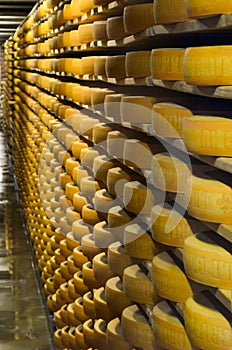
[{"x": 12, "y": 13}]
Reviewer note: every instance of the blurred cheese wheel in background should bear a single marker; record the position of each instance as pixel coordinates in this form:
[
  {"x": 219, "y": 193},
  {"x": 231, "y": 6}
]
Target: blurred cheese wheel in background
[
  {"x": 138, "y": 17},
  {"x": 138, "y": 64},
  {"x": 99, "y": 65},
  {"x": 115, "y": 28},
  {"x": 115, "y": 67},
  {"x": 168, "y": 11},
  {"x": 114, "y": 336},
  {"x": 202, "y": 9},
  {"x": 99, "y": 31}
]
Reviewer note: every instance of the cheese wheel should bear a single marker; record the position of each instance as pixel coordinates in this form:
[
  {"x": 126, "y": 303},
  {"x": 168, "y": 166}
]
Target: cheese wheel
[
  {"x": 202, "y": 320},
  {"x": 207, "y": 262},
  {"x": 138, "y": 17},
  {"x": 115, "y": 144},
  {"x": 75, "y": 67},
  {"x": 88, "y": 276},
  {"x": 138, "y": 286},
  {"x": 116, "y": 179},
  {"x": 103, "y": 202},
  {"x": 167, "y": 64},
  {"x": 168, "y": 330},
  {"x": 115, "y": 67},
  {"x": 138, "y": 64},
  {"x": 78, "y": 174},
  {"x": 210, "y": 200},
  {"x": 86, "y": 5},
  {"x": 101, "y": 268},
  {"x": 88, "y": 186},
  {"x": 112, "y": 106},
  {"x": 99, "y": 31},
  {"x": 72, "y": 216},
  {"x": 117, "y": 220},
  {"x": 100, "y": 133},
  {"x": 102, "y": 309},
  {"x": 87, "y": 157},
  {"x": 102, "y": 235},
  {"x": 86, "y": 93},
  {"x": 137, "y": 109},
  {"x": 80, "y": 286},
  {"x": 118, "y": 258},
  {"x": 195, "y": 9},
  {"x": 76, "y": 148},
  {"x": 170, "y": 173},
  {"x": 208, "y": 135},
  {"x": 70, "y": 190},
  {"x": 115, "y": 296},
  {"x": 169, "y": 11},
  {"x": 79, "y": 337},
  {"x": 58, "y": 339},
  {"x": 88, "y": 332},
  {"x": 98, "y": 97},
  {"x": 79, "y": 229},
  {"x": 170, "y": 227},
  {"x": 115, "y": 28},
  {"x": 87, "y": 65},
  {"x": 78, "y": 257},
  {"x": 76, "y": 9},
  {"x": 137, "y": 198},
  {"x": 99, "y": 65},
  {"x": 138, "y": 243},
  {"x": 114, "y": 336},
  {"x": 137, "y": 154},
  {"x": 73, "y": 293},
  {"x": 90, "y": 215},
  {"x": 89, "y": 247},
  {"x": 212, "y": 68},
  {"x": 85, "y": 33},
  {"x": 79, "y": 201},
  {"x": 100, "y": 334},
  {"x": 101, "y": 166},
  {"x": 136, "y": 328},
  {"x": 169, "y": 280},
  {"x": 168, "y": 118},
  {"x": 88, "y": 305}
]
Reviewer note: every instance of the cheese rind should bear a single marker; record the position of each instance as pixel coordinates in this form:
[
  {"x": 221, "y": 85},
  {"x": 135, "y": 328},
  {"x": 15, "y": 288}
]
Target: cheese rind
[
  {"x": 169, "y": 11},
  {"x": 204, "y": 8},
  {"x": 167, "y": 64},
  {"x": 138, "y": 17},
  {"x": 208, "y": 135}
]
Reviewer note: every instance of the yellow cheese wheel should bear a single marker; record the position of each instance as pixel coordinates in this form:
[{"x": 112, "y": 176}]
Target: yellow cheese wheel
[
  {"x": 195, "y": 9},
  {"x": 170, "y": 227},
  {"x": 137, "y": 198},
  {"x": 102, "y": 309},
  {"x": 78, "y": 257},
  {"x": 75, "y": 66},
  {"x": 79, "y": 201},
  {"x": 112, "y": 106},
  {"x": 70, "y": 164},
  {"x": 167, "y": 64},
  {"x": 138, "y": 243},
  {"x": 100, "y": 133},
  {"x": 103, "y": 202},
  {"x": 118, "y": 258},
  {"x": 115, "y": 295},
  {"x": 101, "y": 166},
  {"x": 80, "y": 286},
  {"x": 138, "y": 286},
  {"x": 208, "y": 135},
  {"x": 90, "y": 215},
  {"x": 136, "y": 328},
  {"x": 115, "y": 67},
  {"x": 138, "y": 64},
  {"x": 169, "y": 332},
  {"x": 170, "y": 173},
  {"x": 99, "y": 31},
  {"x": 100, "y": 334},
  {"x": 115, "y": 28},
  {"x": 79, "y": 229},
  {"x": 168, "y": 11},
  {"x": 76, "y": 148},
  {"x": 207, "y": 262},
  {"x": 87, "y": 65},
  {"x": 88, "y": 305},
  {"x": 203, "y": 321},
  {"x": 137, "y": 154},
  {"x": 210, "y": 200},
  {"x": 88, "y": 186},
  {"x": 208, "y": 65},
  {"x": 89, "y": 247},
  {"x": 101, "y": 268},
  {"x": 98, "y": 97},
  {"x": 87, "y": 157},
  {"x": 88, "y": 276},
  {"x": 88, "y": 332},
  {"x": 102, "y": 235},
  {"x": 79, "y": 337},
  {"x": 138, "y": 17},
  {"x": 114, "y": 336},
  {"x": 169, "y": 280},
  {"x": 99, "y": 65},
  {"x": 85, "y": 33},
  {"x": 115, "y": 143},
  {"x": 79, "y": 310},
  {"x": 116, "y": 178},
  {"x": 137, "y": 109},
  {"x": 87, "y": 125},
  {"x": 117, "y": 220},
  {"x": 78, "y": 174},
  {"x": 76, "y": 9},
  {"x": 167, "y": 119},
  {"x": 86, "y": 5}
]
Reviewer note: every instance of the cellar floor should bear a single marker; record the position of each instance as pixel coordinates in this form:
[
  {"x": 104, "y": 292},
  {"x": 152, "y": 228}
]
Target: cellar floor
[{"x": 24, "y": 321}]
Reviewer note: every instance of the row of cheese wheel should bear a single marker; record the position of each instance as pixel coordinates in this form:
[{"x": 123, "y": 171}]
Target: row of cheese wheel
[
  {"x": 136, "y": 17},
  {"x": 168, "y": 173},
  {"x": 206, "y": 135},
  {"x": 133, "y": 312}
]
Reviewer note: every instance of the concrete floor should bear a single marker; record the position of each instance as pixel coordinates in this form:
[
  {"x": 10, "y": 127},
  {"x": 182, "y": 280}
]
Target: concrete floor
[{"x": 24, "y": 320}]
